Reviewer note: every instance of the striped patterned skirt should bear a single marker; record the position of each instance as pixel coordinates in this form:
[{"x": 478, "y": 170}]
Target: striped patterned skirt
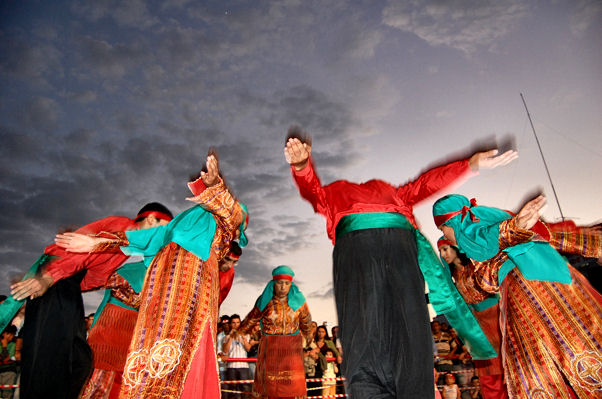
[
  {"x": 551, "y": 338},
  {"x": 172, "y": 353}
]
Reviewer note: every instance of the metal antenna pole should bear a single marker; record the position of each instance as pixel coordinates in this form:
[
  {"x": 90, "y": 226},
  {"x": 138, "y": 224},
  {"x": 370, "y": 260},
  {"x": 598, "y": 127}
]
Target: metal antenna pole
[{"x": 542, "y": 157}]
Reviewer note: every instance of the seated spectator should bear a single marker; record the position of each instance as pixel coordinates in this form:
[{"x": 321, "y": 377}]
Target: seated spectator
[
  {"x": 443, "y": 362},
  {"x": 8, "y": 363},
  {"x": 450, "y": 389},
  {"x": 475, "y": 391}
]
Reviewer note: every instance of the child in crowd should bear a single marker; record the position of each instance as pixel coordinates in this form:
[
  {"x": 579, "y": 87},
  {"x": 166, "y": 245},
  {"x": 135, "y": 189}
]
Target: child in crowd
[
  {"x": 475, "y": 391},
  {"x": 330, "y": 372},
  {"x": 450, "y": 389}
]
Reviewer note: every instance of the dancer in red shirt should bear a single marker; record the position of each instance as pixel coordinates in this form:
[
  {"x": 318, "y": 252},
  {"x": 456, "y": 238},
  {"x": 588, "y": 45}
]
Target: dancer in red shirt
[{"x": 377, "y": 262}]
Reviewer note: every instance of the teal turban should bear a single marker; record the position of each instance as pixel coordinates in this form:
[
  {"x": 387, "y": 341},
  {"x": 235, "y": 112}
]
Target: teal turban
[{"x": 295, "y": 297}]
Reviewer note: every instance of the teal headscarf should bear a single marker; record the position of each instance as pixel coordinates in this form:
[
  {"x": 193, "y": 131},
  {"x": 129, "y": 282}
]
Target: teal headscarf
[
  {"x": 192, "y": 229},
  {"x": 295, "y": 297},
  {"x": 477, "y": 234},
  {"x": 476, "y": 227}
]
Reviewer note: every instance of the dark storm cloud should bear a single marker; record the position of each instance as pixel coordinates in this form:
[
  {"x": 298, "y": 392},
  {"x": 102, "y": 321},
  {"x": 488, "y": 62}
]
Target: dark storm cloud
[
  {"x": 24, "y": 59},
  {"x": 312, "y": 109},
  {"x": 17, "y": 145},
  {"x": 112, "y": 60},
  {"x": 40, "y": 113},
  {"x": 139, "y": 110},
  {"x": 133, "y": 13}
]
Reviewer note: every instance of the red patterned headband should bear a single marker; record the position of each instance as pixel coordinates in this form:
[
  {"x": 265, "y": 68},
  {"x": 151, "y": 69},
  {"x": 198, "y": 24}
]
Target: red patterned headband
[
  {"x": 440, "y": 219},
  {"x": 443, "y": 242},
  {"x": 282, "y": 277},
  {"x": 157, "y": 214}
]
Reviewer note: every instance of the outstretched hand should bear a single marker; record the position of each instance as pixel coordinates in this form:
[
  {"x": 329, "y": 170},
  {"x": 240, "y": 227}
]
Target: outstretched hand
[
  {"x": 297, "y": 153},
  {"x": 211, "y": 177},
  {"x": 530, "y": 213},
  {"x": 32, "y": 287},
  {"x": 490, "y": 159},
  {"x": 76, "y": 242}
]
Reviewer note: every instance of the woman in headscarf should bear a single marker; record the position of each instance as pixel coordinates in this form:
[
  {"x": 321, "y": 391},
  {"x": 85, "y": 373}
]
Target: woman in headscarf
[
  {"x": 282, "y": 313},
  {"x": 484, "y": 305},
  {"x": 550, "y": 316},
  {"x": 172, "y": 351}
]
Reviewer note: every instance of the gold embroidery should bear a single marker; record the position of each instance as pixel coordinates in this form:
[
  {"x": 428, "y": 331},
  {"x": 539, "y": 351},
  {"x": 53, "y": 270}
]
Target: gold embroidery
[
  {"x": 163, "y": 358},
  {"x": 540, "y": 393},
  {"x": 135, "y": 366},
  {"x": 587, "y": 367}
]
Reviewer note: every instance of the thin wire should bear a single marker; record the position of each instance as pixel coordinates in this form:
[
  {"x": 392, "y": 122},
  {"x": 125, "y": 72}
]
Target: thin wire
[
  {"x": 542, "y": 157},
  {"x": 559, "y": 133}
]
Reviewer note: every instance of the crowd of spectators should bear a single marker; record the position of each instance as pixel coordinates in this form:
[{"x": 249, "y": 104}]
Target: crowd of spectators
[
  {"x": 453, "y": 364},
  {"x": 10, "y": 357},
  {"x": 322, "y": 357}
]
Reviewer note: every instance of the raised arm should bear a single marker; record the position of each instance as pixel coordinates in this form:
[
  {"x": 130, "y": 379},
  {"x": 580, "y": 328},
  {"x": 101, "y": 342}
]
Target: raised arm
[
  {"x": 83, "y": 243},
  {"x": 586, "y": 244},
  {"x": 298, "y": 155},
  {"x": 517, "y": 230},
  {"x": 437, "y": 179},
  {"x": 62, "y": 264},
  {"x": 210, "y": 192}
]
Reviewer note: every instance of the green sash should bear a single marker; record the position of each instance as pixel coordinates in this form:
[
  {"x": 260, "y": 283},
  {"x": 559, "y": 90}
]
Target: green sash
[{"x": 443, "y": 295}]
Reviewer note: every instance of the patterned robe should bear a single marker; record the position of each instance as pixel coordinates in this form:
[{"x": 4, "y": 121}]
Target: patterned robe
[
  {"x": 280, "y": 371},
  {"x": 551, "y": 333},
  {"x": 172, "y": 353}
]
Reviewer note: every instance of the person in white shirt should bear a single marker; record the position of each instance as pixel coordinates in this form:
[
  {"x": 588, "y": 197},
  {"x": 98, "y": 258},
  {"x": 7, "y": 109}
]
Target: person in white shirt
[{"x": 236, "y": 345}]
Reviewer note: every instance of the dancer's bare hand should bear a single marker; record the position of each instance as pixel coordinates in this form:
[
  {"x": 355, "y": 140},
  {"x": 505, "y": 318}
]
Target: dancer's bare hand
[
  {"x": 32, "y": 287},
  {"x": 530, "y": 213},
  {"x": 297, "y": 153},
  {"x": 211, "y": 177},
  {"x": 76, "y": 242},
  {"x": 490, "y": 159}
]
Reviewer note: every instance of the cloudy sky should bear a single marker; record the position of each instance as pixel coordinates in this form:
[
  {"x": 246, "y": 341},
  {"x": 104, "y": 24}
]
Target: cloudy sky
[{"x": 106, "y": 105}]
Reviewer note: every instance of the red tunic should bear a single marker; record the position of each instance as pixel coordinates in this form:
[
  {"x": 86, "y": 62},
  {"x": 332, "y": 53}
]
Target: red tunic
[
  {"x": 99, "y": 266},
  {"x": 225, "y": 283},
  {"x": 342, "y": 198}
]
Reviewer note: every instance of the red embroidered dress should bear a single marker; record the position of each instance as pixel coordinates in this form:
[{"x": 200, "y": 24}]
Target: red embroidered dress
[
  {"x": 172, "y": 353},
  {"x": 280, "y": 371},
  {"x": 551, "y": 332}
]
